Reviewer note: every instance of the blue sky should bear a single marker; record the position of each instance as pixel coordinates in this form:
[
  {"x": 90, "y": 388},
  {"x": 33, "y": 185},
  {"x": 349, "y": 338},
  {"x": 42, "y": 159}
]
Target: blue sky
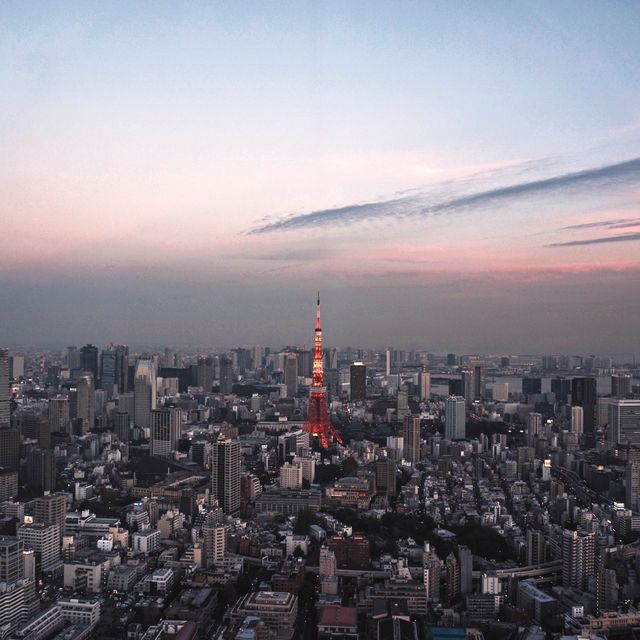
[{"x": 141, "y": 143}]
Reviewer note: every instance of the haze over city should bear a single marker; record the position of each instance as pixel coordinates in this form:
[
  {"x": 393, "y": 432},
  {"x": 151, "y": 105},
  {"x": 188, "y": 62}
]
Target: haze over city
[{"x": 456, "y": 178}]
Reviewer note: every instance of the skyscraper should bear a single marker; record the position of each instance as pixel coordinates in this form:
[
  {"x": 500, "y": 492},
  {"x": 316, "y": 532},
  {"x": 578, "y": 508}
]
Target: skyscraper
[
  {"x": 358, "y": 381},
  {"x": 291, "y": 374},
  {"x": 577, "y": 420},
  {"x": 624, "y": 422},
  {"x": 584, "y": 394},
  {"x": 225, "y": 474},
  {"x": 59, "y": 414},
  {"x": 165, "y": 431},
  {"x": 144, "y": 392},
  {"x": 561, "y": 388},
  {"x": 226, "y": 375},
  {"x": 534, "y": 427},
  {"x": 89, "y": 360},
  {"x": 620, "y": 386},
  {"x": 455, "y": 418},
  {"x": 411, "y": 436},
  {"x": 425, "y": 385},
  {"x": 41, "y": 469},
  {"x": 5, "y": 411},
  {"x": 86, "y": 401},
  {"x": 632, "y": 485},
  {"x": 531, "y": 386},
  {"x": 578, "y": 558}
]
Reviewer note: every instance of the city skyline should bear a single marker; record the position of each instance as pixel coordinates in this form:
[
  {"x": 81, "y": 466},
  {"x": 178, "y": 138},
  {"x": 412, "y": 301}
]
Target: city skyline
[{"x": 463, "y": 179}]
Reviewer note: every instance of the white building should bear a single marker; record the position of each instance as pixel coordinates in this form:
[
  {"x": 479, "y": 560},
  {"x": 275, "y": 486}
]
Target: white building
[{"x": 455, "y": 418}]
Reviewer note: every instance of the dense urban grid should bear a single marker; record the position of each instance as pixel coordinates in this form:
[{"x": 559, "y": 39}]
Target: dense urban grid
[{"x": 313, "y": 492}]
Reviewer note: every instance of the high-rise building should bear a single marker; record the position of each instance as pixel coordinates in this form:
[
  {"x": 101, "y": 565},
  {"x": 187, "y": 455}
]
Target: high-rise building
[
  {"x": 431, "y": 572},
  {"x": 358, "y": 381},
  {"x": 36, "y": 427},
  {"x": 205, "y": 373},
  {"x": 632, "y": 485},
  {"x": 403, "y": 410},
  {"x": 465, "y": 560},
  {"x": 89, "y": 360},
  {"x": 5, "y": 409},
  {"x": 578, "y": 558},
  {"x": 467, "y": 385},
  {"x": 11, "y": 560},
  {"x": 213, "y": 542},
  {"x": 8, "y": 484},
  {"x": 291, "y": 374},
  {"x": 122, "y": 425},
  {"x": 44, "y": 539},
  {"x": 41, "y": 469},
  {"x": 166, "y": 425},
  {"x": 577, "y": 420},
  {"x": 144, "y": 392},
  {"x": 479, "y": 384},
  {"x": 535, "y": 547},
  {"x": 425, "y": 385},
  {"x": 411, "y": 436},
  {"x": 455, "y": 418},
  {"x": 561, "y": 389},
  {"x": 534, "y": 427},
  {"x": 16, "y": 367},
  {"x": 452, "y": 569},
  {"x": 226, "y": 375},
  {"x": 531, "y": 386},
  {"x": 59, "y": 419},
  {"x": 9, "y": 448},
  {"x": 386, "y": 476},
  {"x": 225, "y": 474},
  {"x": 51, "y": 509},
  {"x": 620, "y": 386},
  {"x": 584, "y": 394},
  {"x": 73, "y": 358},
  {"x": 624, "y": 422},
  {"x": 290, "y": 476},
  {"x": 86, "y": 401}
]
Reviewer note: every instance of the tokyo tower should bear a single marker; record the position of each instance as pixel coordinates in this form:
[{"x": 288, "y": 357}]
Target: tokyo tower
[{"x": 318, "y": 423}]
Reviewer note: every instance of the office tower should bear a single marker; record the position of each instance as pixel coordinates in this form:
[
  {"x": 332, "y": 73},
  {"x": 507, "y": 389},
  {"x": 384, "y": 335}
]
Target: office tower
[
  {"x": 479, "y": 385},
  {"x": 411, "y": 436},
  {"x": 549, "y": 363},
  {"x": 127, "y": 404},
  {"x": 45, "y": 541},
  {"x": 166, "y": 425},
  {"x": 561, "y": 389},
  {"x": 86, "y": 401},
  {"x": 624, "y": 422},
  {"x": 467, "y": 385},
  {"x": 144, "y": 393},
  {"x": 584, "y": 394},
  {"x": 535, "y": 547},
  {"x": 465, "y": 560},
  {"x": 452, "y": 570},
  {"x": 620, "y": 386},
  {"x": 89, "y": 360},
  {"x": 10, "y": 448},
  {"x": 205, "y": 373},
  {"x": 5, "y": 393},
  {"x": 11, "y": 559},
  {"x": 291, "y": 374},
  {"x": 8, "y": 484},
  {"x": 577, "y": 420},
  {"x": 455, "y": 418},
  {"x": 388, "y": 361},
  {"x": 386, "y": 476},
  {"x": 256, "y": 357},
  {"x": 431, "y": 572},
  {"x": 225, "y": 474},
  {"x": 395, "y": 445},
  {"x": 121, "y": 425},
  {"x": 531, "y": 386},
  {"x": 632, "y": 486},
  {"x": 36, "y": 427},
  {"x": 578, "y": 558},
  {"x": 51, "y": 509},
  {"x": 108, "y": 378},
  {"x": 16, "y": 367},
  {"x": 73, "y": 358},
  {"x": 403, "y": 403},
  {"x": 290, "y": 476},
  {"x": 358, "y": 381},
  {"x": 226, "y": 376},
  {"x": 41, "y": 469},
  {"x": 59, "y": 414},
  {"x": 505, "y": 362},
  {"x": 425, "y": 385},
  {"x": 452, "y": 360}
]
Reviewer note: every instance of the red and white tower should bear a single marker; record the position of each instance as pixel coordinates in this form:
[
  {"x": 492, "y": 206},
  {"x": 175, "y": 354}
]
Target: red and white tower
[{"x": 318, "y": 423}]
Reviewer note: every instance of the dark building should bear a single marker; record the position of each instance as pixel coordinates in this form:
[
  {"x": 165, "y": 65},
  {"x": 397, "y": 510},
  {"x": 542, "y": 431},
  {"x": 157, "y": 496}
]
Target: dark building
[
  {"x": 89, "y": 359},
  {"x": 205, "y": 372},
  {"x": 358, "y": 381},
  {"x": 37, "y": 427},
  {"x": 455, "y": 387},
  {"x": 531, "y": 386},
  {"x": 122, "y": 424},
  {"x": 561, "y": 388},
  {"x": 452, "y": 360},
  {"x": 41, "y": 469},
  {"x": 226, "y": 376},
  {"x": 620, "y": 386},
  {"x": 504, "y": 362},
  {"x": 351, "y": 553},
  {"x": 9, "y": 449},
  {"x": 183, "y": 374},
  {"x": 584, "y": 394},
  {"x": 108, "y": 370}
]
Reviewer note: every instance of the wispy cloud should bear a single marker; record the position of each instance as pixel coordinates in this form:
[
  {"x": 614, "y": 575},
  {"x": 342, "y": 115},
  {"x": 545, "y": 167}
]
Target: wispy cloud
[
  {"x": 624, "y": 237},
  {"x": 425, "y": 204},
  {"x": 619, "y": 223}
]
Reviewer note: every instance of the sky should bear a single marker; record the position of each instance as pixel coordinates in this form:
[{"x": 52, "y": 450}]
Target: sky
[{"x": 454, "y": 176}]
